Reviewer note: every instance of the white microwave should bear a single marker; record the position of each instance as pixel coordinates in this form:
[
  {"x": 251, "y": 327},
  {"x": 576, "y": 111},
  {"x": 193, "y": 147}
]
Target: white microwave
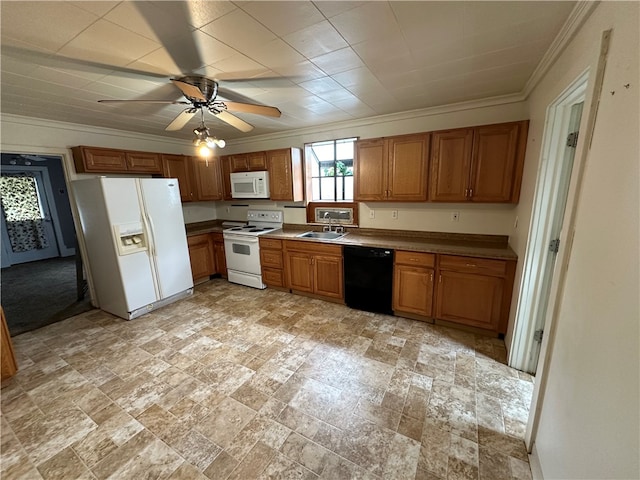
[{"x": 250, "y": 184}]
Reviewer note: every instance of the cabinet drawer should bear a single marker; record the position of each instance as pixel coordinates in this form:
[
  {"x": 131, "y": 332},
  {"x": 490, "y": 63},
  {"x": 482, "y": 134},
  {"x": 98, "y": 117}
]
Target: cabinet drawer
[
  {"x": 415, "y": 258},
  {"x": 271, "y": 258},
  {"x": 473, "y": 265},
  {"x": 315, "y": 248},
  {"x": 271, "y": 243},
  {"x": 273, "y": 277}
]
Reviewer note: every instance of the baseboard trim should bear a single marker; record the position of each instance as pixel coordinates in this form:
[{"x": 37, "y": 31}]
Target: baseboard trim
[{"x": 534, "y": 463}]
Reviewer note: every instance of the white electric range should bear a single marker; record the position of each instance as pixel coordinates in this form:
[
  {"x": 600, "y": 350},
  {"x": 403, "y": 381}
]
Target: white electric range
[{"x": 242, "y": 247}]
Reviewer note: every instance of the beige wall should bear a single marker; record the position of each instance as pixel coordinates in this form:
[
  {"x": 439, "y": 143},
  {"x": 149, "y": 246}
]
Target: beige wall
[{"x": 589, "y": 419}]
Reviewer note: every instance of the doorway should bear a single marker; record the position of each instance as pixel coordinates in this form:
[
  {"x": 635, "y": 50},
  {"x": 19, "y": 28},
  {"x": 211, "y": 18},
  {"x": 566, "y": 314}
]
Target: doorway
[
  {"x": 547, "y": 236},
  {"x": 42, "y": 281}
]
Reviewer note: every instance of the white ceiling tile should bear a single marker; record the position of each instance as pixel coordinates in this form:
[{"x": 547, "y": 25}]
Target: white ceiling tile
[
  {"x": 45, "y": 24},
  {"x": 322, "y": 85},
  {"x": 210, "y": 49},
  {"x": 239, "y": 30},
  {"x": 128, "y": 16},
  {"x": 338, "y": 61},
  {"x": 429, "y": 24},
  {"x": 205, "y": 11},
  {"x": 240, "y": 66},
  {"x": 316, "y": 39},
  {"x": 283, "y": 18},
  {"x": 333, "y": 8},
  {"x": 108, "y": 43},
  {"x": 369, "y": 20},
  {"x": 98, "y": 8},
  {"x": 300, "y": 71},
  {"x": 62, "y": 77},
  {"x": 276, "y": 53},
  {"x": 158, "y": 61}
]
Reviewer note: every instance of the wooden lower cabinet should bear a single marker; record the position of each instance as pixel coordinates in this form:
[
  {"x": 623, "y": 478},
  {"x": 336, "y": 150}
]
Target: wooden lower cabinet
[
  {"x": 201, "y": 256},
  {"x": 474, "y": 292},
  {"x": 271, "y": 262},
  {"x": 219, "y": 254},
  {"x": 314, "y": 268},
  {"x": 413, "y": 283},
  {"x": 9, "y": 364}
]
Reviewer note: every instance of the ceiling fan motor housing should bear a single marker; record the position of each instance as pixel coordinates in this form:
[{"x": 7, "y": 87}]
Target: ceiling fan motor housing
[{"x": 208, "y": 87}]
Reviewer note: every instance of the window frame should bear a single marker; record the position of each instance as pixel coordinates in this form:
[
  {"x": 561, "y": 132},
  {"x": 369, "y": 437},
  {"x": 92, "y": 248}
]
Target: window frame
[{"x": 308, "y": 147}]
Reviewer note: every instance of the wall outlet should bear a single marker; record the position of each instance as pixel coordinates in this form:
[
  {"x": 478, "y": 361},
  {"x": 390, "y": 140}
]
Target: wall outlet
[
  {"x": 394, "y": 214},
  {"x": 372, "y": 213},
  {"x": 455, "y": 216}
]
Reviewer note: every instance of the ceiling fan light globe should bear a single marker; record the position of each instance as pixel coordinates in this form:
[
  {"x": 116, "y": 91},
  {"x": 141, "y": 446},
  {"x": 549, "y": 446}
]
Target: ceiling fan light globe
[{"x": 204, "y": 150}]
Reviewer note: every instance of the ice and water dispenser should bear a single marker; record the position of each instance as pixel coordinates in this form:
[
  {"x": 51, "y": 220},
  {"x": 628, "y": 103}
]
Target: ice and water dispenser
[{"x": 130, "y": 238}]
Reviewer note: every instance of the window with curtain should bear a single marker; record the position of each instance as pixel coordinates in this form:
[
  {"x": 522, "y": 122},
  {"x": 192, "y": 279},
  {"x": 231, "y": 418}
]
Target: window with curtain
[
  {"x": 23, "y": 212},
  {"x": 330, "y": 164}
]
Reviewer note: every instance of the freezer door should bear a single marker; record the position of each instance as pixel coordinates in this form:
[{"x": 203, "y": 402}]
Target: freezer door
[{"x": 167, "y": 235}]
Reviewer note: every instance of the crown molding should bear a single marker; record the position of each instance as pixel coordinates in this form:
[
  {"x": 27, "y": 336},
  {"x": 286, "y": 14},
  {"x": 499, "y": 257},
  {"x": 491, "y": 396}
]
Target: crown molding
[
  {"x": 77, "y": 127},
  {"x": 574, "y": 22}
]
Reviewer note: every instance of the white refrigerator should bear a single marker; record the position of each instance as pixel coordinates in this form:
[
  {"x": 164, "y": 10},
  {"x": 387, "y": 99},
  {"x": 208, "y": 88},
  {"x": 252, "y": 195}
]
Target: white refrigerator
[{"x": 136, "y": 243}]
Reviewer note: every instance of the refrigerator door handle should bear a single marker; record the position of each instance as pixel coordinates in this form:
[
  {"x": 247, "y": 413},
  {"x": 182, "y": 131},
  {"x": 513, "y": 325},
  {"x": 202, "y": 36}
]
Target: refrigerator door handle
[{"x": 151, "y": 241}]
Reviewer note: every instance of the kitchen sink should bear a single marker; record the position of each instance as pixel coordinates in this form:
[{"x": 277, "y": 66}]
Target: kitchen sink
[{"x": 322, "y": 235}]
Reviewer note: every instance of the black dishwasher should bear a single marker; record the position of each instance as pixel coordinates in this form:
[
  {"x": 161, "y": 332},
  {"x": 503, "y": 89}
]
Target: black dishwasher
[{"x": 368, "y": 276}]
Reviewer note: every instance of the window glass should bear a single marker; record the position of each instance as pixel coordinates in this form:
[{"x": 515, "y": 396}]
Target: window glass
[{"x": 331, "y": 169}]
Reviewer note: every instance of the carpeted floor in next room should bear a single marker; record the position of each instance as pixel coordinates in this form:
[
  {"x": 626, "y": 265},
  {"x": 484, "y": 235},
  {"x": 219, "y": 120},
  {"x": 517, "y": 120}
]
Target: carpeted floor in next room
[{"x": 36, "y": 294}]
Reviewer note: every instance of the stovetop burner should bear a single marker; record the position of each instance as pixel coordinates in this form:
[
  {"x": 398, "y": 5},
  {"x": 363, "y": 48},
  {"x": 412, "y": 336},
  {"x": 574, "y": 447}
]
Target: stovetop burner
[{"x": 259, "y": 222}]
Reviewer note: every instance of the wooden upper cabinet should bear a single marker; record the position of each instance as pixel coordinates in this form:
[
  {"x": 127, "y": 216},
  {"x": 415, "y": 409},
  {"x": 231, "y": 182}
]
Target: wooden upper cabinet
[
  {"x": 285, "y": 174},
  {"x": 99, "y": 160},
  {"x": 107, "y": 160},
  {"x": 481, "y": 164},
  {"x": 392, "y": 169},
  {"x": 248, "y": 162},
  {"x": 450, "y": 163},
  {"x": 143, "y": 162},
  {"x": 407, "y": 174},
  {"x": 493, "y": 164},
  {"x": 208, "y": 178},
  {"x": 178, "y": 166},
  {"x": 370, "y": 170}
]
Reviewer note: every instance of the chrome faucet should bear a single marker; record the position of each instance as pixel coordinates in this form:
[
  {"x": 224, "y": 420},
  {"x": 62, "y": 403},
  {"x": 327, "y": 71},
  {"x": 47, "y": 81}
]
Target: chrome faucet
[{"x": 327, "y": 214}]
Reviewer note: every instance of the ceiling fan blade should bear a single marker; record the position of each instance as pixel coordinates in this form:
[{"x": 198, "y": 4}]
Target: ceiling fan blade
[
  {"x": 234, "y": 121},
  {"x": 253, "y": 108},
  {"x": 167, "y": 102},
  {"x": 180, "y": 121},
  {"x": 189, "y": 90}
]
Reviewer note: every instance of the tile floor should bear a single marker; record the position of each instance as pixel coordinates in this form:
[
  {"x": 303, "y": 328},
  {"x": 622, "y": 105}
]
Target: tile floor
[{"x": 240, "y": 383}]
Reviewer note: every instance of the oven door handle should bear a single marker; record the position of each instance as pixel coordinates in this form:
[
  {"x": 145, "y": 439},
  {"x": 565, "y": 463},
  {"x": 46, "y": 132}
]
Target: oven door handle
[{"x": 239, "y": 238}]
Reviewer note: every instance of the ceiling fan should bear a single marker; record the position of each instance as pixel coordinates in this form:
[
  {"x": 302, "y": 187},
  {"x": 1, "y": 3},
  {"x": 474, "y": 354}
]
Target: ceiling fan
[{"x": 201, "y": 94}]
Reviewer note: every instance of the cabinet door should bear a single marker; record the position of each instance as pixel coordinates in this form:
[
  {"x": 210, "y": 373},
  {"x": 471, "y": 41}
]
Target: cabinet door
[
  {"x": 300, "y": 271},
  {"x": 99, "y": 160},
  {"x": 407, "y": 176},
  {"x": 328, "y": 277},
  {"x": 220, "y": 258},
  {"x": 201, "y": 256},
  {"x": 257, "y": 161},
  {"x": 450, "y": 165},
  {"x": 225, "y": 167},
  {"x": 493, "y": 162},
  {"x": 8, "y": 363},
  {"x": 144, "y": 162},
  {"x": 208, "y": 178},
  {"x": 413, "y": 289},
  {"x": 370, "y": 170},
  {"x": 470, "y": 299},
  {"x": 238, "y": 163},
  {"x": 177, "y": 166}
]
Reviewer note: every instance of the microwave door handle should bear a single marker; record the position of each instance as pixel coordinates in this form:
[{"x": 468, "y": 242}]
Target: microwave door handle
[{"x": 256, "y": 189}]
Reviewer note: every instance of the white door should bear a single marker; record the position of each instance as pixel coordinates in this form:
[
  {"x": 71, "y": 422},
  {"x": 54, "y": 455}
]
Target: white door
[
  {"x": 165, "y": 222},
  {"x": 27, "y": 229}
]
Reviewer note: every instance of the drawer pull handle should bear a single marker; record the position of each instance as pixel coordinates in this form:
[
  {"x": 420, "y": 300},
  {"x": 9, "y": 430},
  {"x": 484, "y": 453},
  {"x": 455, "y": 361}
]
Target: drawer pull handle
[{"x": 471, "y": 265}]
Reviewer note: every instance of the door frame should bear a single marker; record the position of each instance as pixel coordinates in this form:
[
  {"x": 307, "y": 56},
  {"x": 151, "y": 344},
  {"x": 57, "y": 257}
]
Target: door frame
[{"x": 63, "y": 250}]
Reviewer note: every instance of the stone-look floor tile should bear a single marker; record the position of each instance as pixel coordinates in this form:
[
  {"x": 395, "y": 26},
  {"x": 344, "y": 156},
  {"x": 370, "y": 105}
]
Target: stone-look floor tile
[
  {"x": 282, "y": 467},
  {"x": 63, "y": 466},
  {"x": 226, "y": 421},
  {"x": 221, "y": 467},
  {"x": 519, "y": 469},
  {"x": 236, "y": 382},
  {"x": 254, "y": 463}
]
